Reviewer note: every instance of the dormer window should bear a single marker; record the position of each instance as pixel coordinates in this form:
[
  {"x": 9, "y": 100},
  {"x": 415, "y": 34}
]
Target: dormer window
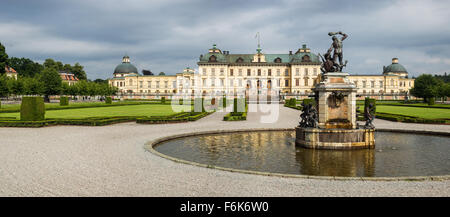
[
  {"x": 306, "y": 59},
  {"x": 212, "y": 58},
  {"x": 277, "y": 60},
  {"x": 240, "y": 60}
]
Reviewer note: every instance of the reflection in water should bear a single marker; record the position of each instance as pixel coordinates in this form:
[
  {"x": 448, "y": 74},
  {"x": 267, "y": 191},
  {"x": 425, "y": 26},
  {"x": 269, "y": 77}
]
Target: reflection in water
[{"x": 396, "y": 154}]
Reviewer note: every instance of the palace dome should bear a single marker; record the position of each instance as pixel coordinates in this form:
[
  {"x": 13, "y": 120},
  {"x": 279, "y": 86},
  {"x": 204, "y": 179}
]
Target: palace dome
[
  {"x": 395, "y": 67},
  {"x": 125, "y": 67}
]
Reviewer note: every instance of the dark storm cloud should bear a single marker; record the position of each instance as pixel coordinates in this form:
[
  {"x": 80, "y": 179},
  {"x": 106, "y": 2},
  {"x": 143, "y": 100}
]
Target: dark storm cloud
[{"x": 170, "y": 35}]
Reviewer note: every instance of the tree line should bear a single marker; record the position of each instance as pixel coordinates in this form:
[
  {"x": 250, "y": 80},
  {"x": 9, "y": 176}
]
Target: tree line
[
  {"x": 44, "y": 79},
  {"x": 430, "y": 87}
]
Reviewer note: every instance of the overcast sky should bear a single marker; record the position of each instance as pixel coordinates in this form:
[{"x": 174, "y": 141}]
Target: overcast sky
[{"x": 163, "y": 35}]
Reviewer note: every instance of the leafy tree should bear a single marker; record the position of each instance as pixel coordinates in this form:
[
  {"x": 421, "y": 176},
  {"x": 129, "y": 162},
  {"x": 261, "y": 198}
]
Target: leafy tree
[
  {"x": 162, "y": 73},
  {"x": 33, "y": 86},
  {"x": 3, "y": 59},
  {"x": 52, "y": 80},
  {"x": 50, "y": 63},
  {"x": 67, "y": 68},
  {"x": 426, "y": 87},
  {"x": 16, "y": 87},
  {"x": 25, "y": 67},
  {"x": 4, "y": 91},
  {"x": 79, "y": 72}
]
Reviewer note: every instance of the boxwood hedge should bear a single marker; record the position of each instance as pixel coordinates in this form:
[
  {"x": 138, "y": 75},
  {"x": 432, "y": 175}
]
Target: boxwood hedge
[{"x": 32, "y": 108}]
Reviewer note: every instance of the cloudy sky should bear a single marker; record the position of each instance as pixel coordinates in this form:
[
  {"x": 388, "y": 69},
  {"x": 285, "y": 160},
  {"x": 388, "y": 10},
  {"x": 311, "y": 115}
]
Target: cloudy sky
[{"x": 163, "y": 35}]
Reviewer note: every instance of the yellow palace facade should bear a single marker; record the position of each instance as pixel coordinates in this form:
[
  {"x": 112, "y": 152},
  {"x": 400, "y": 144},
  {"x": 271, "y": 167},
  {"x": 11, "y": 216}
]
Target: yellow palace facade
[{"x": 219, "y": 73}]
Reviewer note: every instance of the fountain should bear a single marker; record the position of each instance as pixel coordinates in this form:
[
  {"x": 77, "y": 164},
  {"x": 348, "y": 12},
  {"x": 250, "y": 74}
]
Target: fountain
[{"x": 330, "y": 122}]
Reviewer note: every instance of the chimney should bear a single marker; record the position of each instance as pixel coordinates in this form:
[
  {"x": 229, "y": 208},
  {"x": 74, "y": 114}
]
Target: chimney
[
  {"x": 394, "y": 60},
  {"x": 290, "y": 52}
]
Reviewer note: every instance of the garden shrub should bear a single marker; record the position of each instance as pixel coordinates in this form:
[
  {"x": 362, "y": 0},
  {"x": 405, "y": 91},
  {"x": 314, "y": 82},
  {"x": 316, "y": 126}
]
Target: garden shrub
[
  {"x": 163, "y": 99},
  {"x": 63, "y": 101},
  {"x": 431, "y": 101},
  {"x": 108, "y": 100},
  {"x": 32, "y": 108}
]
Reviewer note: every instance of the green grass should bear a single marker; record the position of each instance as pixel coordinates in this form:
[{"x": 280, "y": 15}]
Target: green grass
[
  {"x": 428, "y": 113},
  {"x": 72, "y": 105},
  {"x": 113, "y": 111}
]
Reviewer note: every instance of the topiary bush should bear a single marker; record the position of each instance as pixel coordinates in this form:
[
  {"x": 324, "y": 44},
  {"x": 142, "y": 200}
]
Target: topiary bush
[
  {"x": 163, "y": 99},
  {"x": 32, "y": 108},
  {"x": 63, "y": 101},
  {"x": 224, "y": 102},
  {"x": 431, "y": 101},
  {"x": 108, "y": 100}
]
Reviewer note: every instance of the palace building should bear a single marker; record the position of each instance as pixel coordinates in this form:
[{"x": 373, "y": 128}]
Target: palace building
[{"x": 220, "y": 72}]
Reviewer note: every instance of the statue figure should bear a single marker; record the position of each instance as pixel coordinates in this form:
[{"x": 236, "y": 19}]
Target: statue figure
[
  {"x": 309, "y": 117},
  {"x": 369, "y": 115},
  {"x": 330, "y": 60}
]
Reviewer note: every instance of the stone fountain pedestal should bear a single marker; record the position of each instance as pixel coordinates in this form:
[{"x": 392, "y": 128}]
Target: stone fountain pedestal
[{"x": 337, "y": 127}]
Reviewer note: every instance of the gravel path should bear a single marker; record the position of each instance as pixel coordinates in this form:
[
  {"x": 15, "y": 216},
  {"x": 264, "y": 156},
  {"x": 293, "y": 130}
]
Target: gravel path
[{"x": 111, "y": 161}]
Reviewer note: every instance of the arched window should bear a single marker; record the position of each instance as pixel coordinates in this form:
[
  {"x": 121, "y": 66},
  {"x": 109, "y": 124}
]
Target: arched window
[
  {"x": 240, "y": 60},
  {"x": 277, "y": 60},
  {"x": 212, "y": 58},
  {"x": 306, "y": 58}
]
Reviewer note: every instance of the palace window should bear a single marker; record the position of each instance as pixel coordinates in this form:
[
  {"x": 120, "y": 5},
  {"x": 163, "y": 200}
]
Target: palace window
[
  {"x": 240, "y": 82},
  {"x": 364, "y": 84},
  {"x": 141, "y": 84},
  {"x": 231, "y": 72},
  {"x": 297, "y": 82},
  {"x": 315, "y": 71},
  {"x": 306, "y": 81},
  {"x": 306, "y": 71},
  {"x": 166, "y": 84},
  {"x": 381, "y": 83},
  {"x": 269, "y": 72},
  {"x": 372, "y": 83},
  {"x": 131, "y": 82},
  {"x": 204, "y": 71},
  {"x": 286, "y": 83},
  {"x": 149, "y": 84},
  {"x": 240, "y": 72},
  {"x": 259, "y": 72},
  {"x": 157, "y": 84},
  {"x": 213, "y": 82},
  {"x": 213, "y": 71},
  {"x": 286, "y": 72},
  {"x": 174, "y": 84},
  {"x": 204, "y": 82},
  {"x": 249, "y": 73},
  {"x": 297, "y": 71},
  {"x": 278, "y": 72},
  {"x": 221, "y": 71}
]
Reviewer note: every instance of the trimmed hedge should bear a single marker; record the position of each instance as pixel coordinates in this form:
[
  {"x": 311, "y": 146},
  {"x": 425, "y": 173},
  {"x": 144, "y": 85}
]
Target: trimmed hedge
[
  {"x": 163, "y": 100},
  {"x": 176, "y": 118},
  {"x": 32, "y": 108},
  {"x": 235, "y": 115},
  {"x": 63, "y": 101},
  {"x": 224, "y": 102},
  {"x": 410, "y": 119},
  {"x": 108, "y": 100}
]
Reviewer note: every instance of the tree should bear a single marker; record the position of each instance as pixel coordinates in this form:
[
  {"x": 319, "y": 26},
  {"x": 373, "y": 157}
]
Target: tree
[
  {"x": 4, "y": 91},
  {"x": 16, "y": 87},
  {"x": 426, "y": 87},
  {"x": 33, "y": 86},
  {"x": 50, "y": 63},
  {"x": 162, "y": 73},
  {"x": 3, "y": 59},
  {"x": 52, "y": 80},
  {"x": 78, "y": 71},
  {"x": 25, "y": 67}
]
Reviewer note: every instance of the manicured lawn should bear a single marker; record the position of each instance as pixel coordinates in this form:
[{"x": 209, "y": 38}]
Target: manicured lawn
[
  {"x": 127, "y": 110},
  {"x": 429, "y": 113}
]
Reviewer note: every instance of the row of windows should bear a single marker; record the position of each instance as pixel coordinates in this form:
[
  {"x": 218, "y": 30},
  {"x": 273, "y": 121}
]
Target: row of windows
[
  {"x": 365, "y": 84},
  {"x": 240, "y": 82},
  {"x": 258, "y": 72}
]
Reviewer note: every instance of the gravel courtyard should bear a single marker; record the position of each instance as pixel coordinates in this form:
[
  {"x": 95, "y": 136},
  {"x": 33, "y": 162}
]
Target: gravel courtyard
[{"x": 111, "y": 161}]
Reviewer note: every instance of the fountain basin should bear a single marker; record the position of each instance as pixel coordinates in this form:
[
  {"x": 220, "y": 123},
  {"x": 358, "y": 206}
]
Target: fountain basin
[{"x": 317, "y": 138}]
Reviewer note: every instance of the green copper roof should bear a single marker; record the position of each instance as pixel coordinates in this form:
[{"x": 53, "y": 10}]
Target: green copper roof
[
  {"x": 394, "y": 67},
  {"x": 125, "y": 68},
  {"x": 270, "y": 58}
]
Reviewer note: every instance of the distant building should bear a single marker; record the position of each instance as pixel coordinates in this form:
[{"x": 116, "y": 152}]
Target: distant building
[
  {"x": 10, "y": 72},
  {"x": 223, "y": 73},
  {"x": 68, "y": 77}
]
